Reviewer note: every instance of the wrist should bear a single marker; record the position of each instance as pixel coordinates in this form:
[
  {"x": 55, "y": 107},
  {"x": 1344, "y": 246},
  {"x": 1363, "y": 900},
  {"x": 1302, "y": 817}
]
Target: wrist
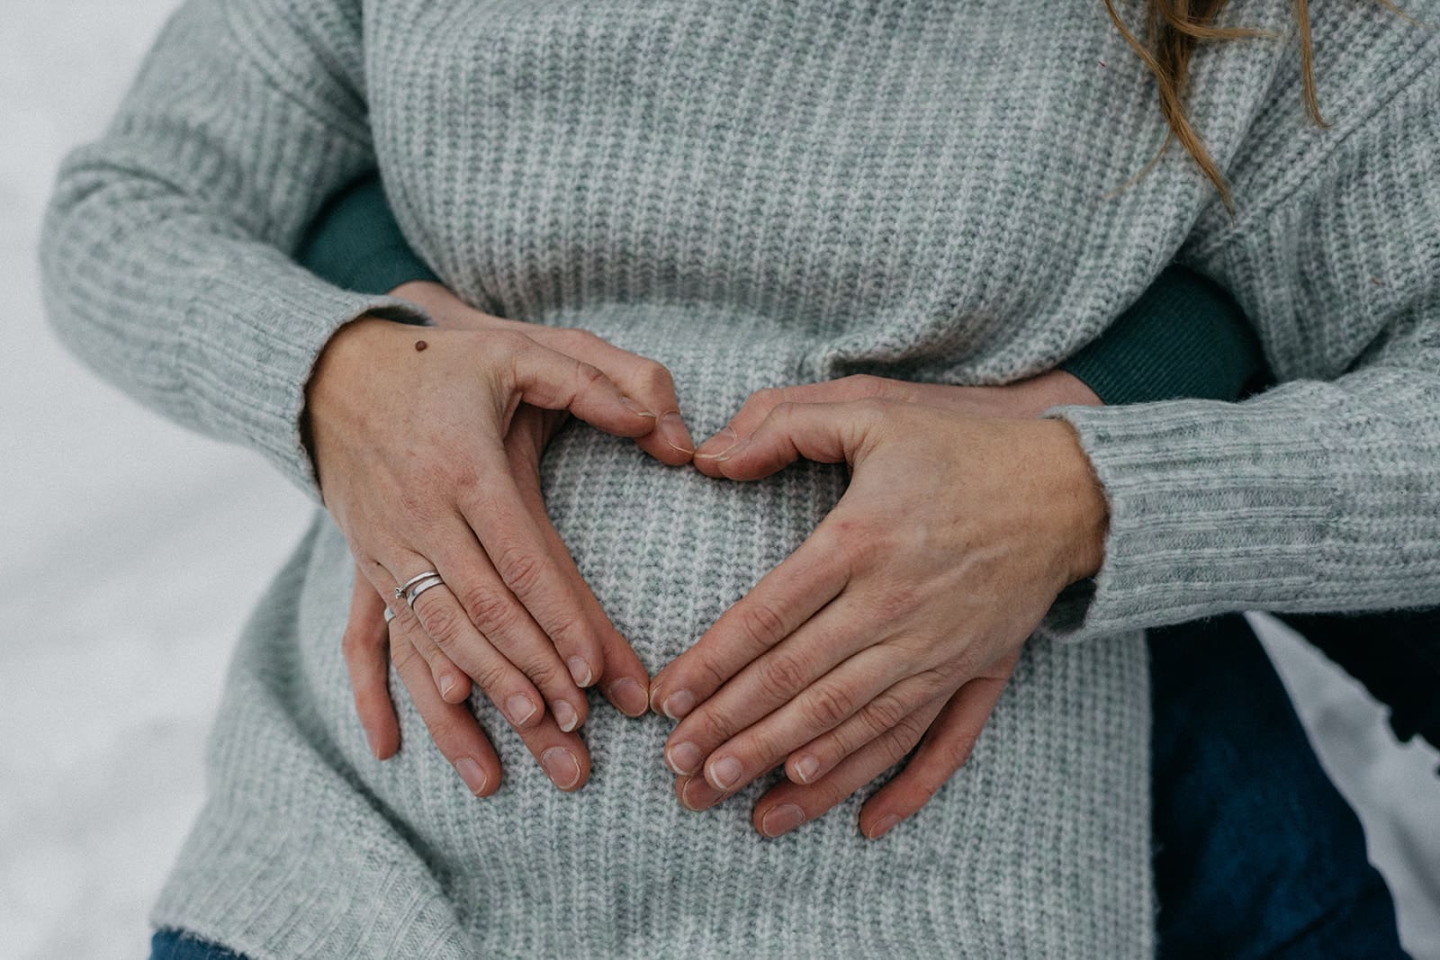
[
  {"x": 429, "y": 294},
  {"x": 1056, "y": 388},
  {"x": 1083, "y": 514},
  {"x": 332, "y": 394}
]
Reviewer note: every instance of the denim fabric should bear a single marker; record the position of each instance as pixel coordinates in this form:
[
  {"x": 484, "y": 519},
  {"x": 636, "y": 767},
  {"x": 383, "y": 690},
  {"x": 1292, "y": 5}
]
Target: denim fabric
[{"x": 1257, "y": 854}]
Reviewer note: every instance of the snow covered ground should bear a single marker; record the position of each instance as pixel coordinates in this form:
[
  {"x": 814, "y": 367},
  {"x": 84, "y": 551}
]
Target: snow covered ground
[{"x": 132, "y": 551}]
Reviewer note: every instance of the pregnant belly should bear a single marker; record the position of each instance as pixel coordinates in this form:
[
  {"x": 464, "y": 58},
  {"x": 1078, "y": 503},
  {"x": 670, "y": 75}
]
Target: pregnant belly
[{"x": 619, "y": 868}]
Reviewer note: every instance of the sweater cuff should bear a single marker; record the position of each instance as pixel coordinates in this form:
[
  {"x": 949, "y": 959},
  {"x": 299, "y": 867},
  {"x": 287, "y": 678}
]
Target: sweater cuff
[
  {"x": 1184, "y": 337},
  {"x": 264, "y": 361},
  {"x": 1211, "y": 510}
]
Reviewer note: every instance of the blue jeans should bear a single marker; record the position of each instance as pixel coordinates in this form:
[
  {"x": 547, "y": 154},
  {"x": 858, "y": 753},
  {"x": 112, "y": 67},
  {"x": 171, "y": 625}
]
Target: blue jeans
[{"x": 1256, "y": 853}]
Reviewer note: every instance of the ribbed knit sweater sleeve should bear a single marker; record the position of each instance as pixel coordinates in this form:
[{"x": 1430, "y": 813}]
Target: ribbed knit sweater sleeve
[
  {"x": 165, "y": 250},
  {"x": 1323, "y": 493}
]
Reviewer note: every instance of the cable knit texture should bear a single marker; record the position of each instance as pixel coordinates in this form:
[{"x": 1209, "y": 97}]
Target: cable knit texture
[{"x": 759, "y": 193}]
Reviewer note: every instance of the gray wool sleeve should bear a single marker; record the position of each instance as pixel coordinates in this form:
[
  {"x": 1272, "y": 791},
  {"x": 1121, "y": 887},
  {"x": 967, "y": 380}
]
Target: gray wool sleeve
[
  {"x": 1323, "y": 493},
  {"x": 165, "y": 252}
]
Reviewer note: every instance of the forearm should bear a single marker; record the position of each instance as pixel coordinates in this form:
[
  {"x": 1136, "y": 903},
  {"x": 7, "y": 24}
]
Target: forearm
[
  {"x": 1323, "y": 493},
  {"x": 166, "y": 252}
]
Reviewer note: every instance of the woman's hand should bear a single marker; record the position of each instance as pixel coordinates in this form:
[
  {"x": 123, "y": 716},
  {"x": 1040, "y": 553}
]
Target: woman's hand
[
  {"x": 421, "y": 453},
  {"x": 953, "y": 539},
  {"x": 453, "y": 727}
]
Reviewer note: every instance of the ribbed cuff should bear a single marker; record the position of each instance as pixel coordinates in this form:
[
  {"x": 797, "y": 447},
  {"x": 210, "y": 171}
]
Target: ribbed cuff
[
  {"x": 1211, "y": 510},
  {"x": 1184, "y": 338},
  {"x": 256, "y": 374}
]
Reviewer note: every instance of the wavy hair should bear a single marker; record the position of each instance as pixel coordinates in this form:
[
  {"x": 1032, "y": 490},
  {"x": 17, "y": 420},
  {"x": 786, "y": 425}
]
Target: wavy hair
[{"x": 1174, "y": 28}]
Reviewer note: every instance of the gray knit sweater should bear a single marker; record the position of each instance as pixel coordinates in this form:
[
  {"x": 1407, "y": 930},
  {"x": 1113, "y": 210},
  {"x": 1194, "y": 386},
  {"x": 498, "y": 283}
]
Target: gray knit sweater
[{"x": 755, "y": 193}]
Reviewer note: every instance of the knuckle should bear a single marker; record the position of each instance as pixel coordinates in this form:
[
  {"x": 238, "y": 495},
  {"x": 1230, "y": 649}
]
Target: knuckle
[
  {"x": 957, "y": 749},
  {"x": 441, "y": 621},
  {"x": 713, "y": 727},
  {"x": 899, "y": 739},
  {"x": 413, "y": 501},
  {"x": 762, "y": 622},
  {"x": 865, "y": 385},
  {"x": 933, "y": 682},
  {"x": 857, "y": 544},
  {"x": 546, "y": 674},
  {"x": 828, "y": 706},
  {"x": 505, "y": 343},
  {"x": 895, "y": 601},
  {"x": 587, "y": 375},
  {"x": 784, "y": 411},
  {"x": 572, "y": 634},
  {"x": 781, "y": 675},
  {"x": 656, "y": 376},
  {"x": 873, "y": 409},
  {"x": 760, "y": 748},
  {"x": 354, "y": 643},
  {"x": 491, "y": 677},
  {"x": 488, "y": 609},
  {"x": 767, "y": 398},
  {"x": 701, "y": 675},
  {"x": 885, "y": 712},
  {"x": 520, "y": 569}
]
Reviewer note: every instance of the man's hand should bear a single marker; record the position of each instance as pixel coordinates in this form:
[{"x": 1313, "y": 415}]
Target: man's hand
[{"x": 904, "y": 611}]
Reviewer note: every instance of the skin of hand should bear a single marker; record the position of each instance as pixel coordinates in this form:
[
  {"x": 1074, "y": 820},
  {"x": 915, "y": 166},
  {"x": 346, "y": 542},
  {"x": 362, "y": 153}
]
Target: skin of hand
[
  {"x": 429, "y": 459},
  {"x": 901, "y": 617}
]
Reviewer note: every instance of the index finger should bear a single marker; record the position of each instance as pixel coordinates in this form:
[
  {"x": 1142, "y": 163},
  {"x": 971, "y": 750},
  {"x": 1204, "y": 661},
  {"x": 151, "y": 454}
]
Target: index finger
[
  {"x": 646, "y": 381},
  {"x": 783, "y": 600}
]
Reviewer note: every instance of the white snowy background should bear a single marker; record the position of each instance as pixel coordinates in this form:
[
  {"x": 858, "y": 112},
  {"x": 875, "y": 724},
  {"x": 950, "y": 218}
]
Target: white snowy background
[{"x": 131, "y": 551}]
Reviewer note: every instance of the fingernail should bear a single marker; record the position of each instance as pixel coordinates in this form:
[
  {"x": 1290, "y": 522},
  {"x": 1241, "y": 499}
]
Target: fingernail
[
  {"x": 678, "y": 704},
  {"x": 806, "y": 768},
  {"x": 883, "y": 825},
  {"x": 565, "y": 715},
  {"x": 672, "y": 428},
  {"x": 370, "y": 739},
  {"x": 561, "y": 767},
  {"x": 718, "y": 444},
  {"x": 732, "y": 451},
  {"x": 683, "y": 758},
  {"x": 691, "y": 803},
  {"x": 447, "y": 683},
  {"x": 520, "y": 708},
  {"x": 473, "y": 776},
  {"x": 636, "y": 408},
  {"x": 630, "y": 697},
  {"x": 781, "y": 819},
  {"x": 724, "y": 772},
  {"x": 580, "y": 671}
]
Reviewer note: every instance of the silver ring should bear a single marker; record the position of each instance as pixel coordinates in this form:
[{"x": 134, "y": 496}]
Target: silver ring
[
  {"x": 389, "y": 614},
  {"x": 432, "y": 581},
  {"x": 401, "y": 590}
]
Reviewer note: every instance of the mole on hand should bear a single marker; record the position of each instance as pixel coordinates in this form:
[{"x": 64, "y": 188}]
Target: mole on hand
[{"x": 420, "y": 345}]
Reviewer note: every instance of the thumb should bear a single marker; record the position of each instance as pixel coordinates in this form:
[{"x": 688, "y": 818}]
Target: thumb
[{"x": 824, "y": 432}]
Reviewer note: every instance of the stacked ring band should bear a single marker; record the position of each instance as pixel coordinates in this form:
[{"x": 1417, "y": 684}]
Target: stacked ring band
[
  {"x": 431, "y": 581},
  {"x": 405, "y": 587}
]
